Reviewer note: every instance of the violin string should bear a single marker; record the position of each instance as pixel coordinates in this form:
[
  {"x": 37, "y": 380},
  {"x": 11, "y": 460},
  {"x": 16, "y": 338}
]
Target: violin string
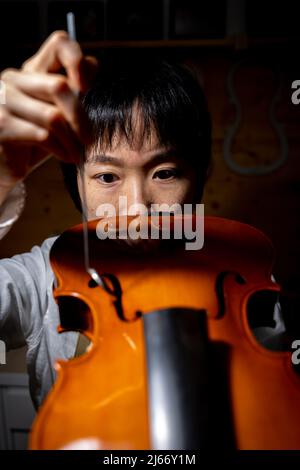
[
  {"x": 71, "y": 27},
  {"x": 72, "y": 35}
]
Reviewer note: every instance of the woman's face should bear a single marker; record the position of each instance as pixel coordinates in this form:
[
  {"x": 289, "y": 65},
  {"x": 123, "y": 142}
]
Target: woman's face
[{"x": 143, "y": 172}]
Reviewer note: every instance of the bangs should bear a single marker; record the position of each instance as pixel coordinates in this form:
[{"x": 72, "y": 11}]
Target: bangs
[{"x": 131, "y": 123}]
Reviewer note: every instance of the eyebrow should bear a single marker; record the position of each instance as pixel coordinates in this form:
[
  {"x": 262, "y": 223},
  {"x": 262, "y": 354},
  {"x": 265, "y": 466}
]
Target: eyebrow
[
  {"x": 117, "y": 161},
  {"x": 103, "y": 158}
]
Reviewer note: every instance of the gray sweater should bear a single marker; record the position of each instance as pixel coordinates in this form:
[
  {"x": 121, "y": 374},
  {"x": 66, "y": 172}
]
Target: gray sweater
[{"x": 29, "y": 316}]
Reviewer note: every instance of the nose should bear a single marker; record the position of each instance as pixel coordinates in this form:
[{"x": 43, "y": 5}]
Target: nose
[{"x": 135, "y": 199}]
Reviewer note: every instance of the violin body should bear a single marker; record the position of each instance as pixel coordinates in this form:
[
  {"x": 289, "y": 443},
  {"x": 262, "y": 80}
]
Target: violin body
[{"x": 125, "y": 391}]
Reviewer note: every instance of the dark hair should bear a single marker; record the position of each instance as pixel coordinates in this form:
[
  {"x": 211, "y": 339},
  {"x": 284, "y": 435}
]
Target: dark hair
[{"x": 170, "y": 100}]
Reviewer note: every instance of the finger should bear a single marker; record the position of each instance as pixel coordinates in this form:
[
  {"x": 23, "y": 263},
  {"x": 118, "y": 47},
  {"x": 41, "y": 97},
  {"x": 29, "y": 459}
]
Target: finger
[
  {"x": 56, "y": 52},
  {"x": 14, "y": 130},
  {"x": 44, "y": 115},
  {"x": 53, "y": 89}
]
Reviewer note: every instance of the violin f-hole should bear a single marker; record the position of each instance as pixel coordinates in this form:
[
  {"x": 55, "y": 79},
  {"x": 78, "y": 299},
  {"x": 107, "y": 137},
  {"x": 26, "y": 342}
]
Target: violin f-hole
[
  {"x": 112, "y": 286},
  {"x": 74, "y": 314},
  {"x": 219, "y": 287}
]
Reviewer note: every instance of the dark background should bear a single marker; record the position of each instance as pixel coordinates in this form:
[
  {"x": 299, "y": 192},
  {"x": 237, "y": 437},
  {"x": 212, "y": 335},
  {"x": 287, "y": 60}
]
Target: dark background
[{"x": 256, "y": 43}]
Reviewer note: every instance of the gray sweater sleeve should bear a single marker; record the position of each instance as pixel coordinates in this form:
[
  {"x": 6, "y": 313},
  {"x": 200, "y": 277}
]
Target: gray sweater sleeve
[{"x": 23, "y": 295}]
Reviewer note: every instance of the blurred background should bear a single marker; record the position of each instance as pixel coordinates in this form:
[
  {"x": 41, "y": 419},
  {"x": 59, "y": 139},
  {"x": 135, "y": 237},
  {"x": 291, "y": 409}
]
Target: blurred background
[{"x": 245, "y": 53}]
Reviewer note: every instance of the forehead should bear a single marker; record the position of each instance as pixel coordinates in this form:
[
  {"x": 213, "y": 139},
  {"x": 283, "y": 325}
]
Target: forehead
[{"x": 137, "y": 139}]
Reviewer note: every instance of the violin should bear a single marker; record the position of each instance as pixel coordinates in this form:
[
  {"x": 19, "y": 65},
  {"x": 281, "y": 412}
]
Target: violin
[{"x": 173, "y": 363}]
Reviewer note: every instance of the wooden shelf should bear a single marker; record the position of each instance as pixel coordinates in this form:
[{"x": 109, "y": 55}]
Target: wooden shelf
[
  {"x": 171, "y": 43},
  {"x": 234, "y": 42}
]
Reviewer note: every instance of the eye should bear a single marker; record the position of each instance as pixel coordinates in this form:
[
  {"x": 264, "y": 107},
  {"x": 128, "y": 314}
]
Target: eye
[
  {"x": 107, "y": 178},
  {"x": 166, "y": 174}
]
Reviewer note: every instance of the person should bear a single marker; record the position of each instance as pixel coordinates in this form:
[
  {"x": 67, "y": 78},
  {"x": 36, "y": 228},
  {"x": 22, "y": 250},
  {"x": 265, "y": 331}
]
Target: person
[{"x": 146, "y": 132}]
